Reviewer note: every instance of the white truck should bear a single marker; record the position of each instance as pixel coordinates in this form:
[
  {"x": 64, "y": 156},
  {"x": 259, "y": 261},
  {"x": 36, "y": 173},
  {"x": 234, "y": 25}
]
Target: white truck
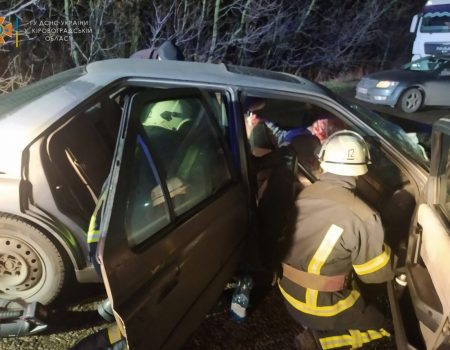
[{"x": 432, "y": 29}]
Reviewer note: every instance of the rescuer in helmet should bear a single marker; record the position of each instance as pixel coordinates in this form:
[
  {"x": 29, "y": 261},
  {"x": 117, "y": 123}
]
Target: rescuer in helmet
[
  {"x": 167, "y": 121},
  {"x": 336, "y": 235},
  {"x": 171, "y": 115}
]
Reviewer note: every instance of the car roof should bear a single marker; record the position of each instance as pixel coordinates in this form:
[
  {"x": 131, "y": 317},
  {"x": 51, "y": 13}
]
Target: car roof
[
  {"x": 205, "y": 73},
  {"x": 35, "y": 113}
]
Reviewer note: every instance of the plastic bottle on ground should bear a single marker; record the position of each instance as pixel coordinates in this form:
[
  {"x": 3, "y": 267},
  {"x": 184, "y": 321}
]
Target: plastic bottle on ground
[{"x": 241, "y": 299}]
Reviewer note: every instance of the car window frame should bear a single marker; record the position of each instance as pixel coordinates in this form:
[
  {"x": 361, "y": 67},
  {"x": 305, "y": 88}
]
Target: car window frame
[
  {"x": 323, "y": 102},
  {"x": 340, "y": 108},
  {"x": 235, "y": 129},
  {"x": 174, "y": 219},
  {"x": 234, "y": 149},
  {"x": 438, "y": 185}
]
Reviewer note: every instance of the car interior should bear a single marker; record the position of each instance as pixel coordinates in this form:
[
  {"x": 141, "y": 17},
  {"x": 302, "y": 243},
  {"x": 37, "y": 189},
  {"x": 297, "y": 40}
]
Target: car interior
[
  {"x": 78, "y": 165},
  {"x": 386, "y": 187},
  {"x": 79, "y": 154}
]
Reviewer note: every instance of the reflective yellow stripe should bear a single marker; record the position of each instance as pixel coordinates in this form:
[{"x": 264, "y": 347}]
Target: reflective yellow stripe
[
  {"x": 92, "y": 221},
  {"x": 311, "y": 296},
  {"x": 114, "y": 334},
  {"x": 355, "y": 340},
  {"x": 374, "y": 264},
  {"x": 325, "y": 248},
  {"x": 378, "y": 334},
  {"x": 93, "y": 236},
  {"x": 337, "y": 341},
  {"x": 319, "y": 258},
  {"x": 324, "y": 311}
]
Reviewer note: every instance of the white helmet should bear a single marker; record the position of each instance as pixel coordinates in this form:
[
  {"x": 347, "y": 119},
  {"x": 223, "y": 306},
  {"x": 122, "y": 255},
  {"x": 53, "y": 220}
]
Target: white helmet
[
  {"x": 170, "y": 115},
  {"x": 345, "y": 153}
]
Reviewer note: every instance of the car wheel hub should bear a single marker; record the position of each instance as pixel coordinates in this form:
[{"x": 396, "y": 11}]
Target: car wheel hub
[
  {"x": 412, "y": 100},
  {"x": 20, "y": 267}
]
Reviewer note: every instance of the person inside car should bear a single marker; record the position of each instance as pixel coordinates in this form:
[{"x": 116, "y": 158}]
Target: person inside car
[
  {"x": 324, "y": 126},
  {"x": 277, "y": 188},
  {"x": 306, "y": 142},
  {"x": 258, "y": 135},
  {"x": 336, "y": 235}
]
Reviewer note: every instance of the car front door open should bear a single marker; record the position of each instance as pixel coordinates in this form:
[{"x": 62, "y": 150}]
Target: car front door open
[
  {"x": 174, "y": 220},
  {"x": 428, "y": 268}
]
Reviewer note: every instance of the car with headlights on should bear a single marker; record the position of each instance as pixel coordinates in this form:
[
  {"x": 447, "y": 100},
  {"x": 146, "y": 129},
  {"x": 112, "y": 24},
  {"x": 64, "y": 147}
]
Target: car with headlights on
[
  {"x": 165, "y": 144},
  {"x": 424, "y": 82}
]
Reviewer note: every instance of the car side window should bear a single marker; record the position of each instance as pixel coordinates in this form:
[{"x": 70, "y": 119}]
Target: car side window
[
  {"x": 147, "y": 212},
  {"x": 185, "y": 147},
  {"x": 218, "y": 103}
]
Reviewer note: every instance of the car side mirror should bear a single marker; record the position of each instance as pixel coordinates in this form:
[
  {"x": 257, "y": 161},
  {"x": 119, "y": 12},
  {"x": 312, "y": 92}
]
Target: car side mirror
[{"x": 414, "y": 21}]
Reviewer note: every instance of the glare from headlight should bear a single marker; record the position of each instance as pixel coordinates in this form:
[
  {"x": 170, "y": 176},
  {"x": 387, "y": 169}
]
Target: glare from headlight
[{"x": 383, "y": 84}]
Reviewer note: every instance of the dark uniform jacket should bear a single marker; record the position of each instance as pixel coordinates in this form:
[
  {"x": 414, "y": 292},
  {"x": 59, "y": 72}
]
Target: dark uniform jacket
[{"x": 336, "y": 233}]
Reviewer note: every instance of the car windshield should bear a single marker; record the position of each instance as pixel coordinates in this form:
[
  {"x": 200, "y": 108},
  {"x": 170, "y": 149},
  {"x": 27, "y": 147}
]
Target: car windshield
[
  {"x": 391, "y": 132},
  {"x": 427, "y": 64},
  {"x": 18, "y": 98}
]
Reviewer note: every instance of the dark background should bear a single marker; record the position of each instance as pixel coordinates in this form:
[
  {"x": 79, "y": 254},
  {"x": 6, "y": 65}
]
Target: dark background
[{"x": 315, "y": 38}]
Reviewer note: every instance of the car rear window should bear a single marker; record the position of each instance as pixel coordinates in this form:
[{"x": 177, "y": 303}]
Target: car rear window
[{"x": 13, "y": 100}]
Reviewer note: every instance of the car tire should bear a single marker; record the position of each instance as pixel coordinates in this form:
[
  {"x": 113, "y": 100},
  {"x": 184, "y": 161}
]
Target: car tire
[
  {"x": 411, "y": 100},
  {"x": 31, "y": 266}
]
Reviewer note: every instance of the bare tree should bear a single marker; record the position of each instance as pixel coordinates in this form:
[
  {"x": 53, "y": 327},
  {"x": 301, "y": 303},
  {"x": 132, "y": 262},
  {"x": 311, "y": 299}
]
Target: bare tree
[{"x": 310, "y": 38}]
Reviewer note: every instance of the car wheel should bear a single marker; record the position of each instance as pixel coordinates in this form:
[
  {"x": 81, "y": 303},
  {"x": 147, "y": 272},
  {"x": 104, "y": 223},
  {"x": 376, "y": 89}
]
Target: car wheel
[
  {"x": 411, "y": 100},
  {"x": 31, "y": 267}
]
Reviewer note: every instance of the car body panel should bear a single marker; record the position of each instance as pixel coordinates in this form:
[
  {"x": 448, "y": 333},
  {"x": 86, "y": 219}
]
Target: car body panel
[
  {"x": 434, "y": 244},
  {"x": 434, "y": 249},
  {"x": 438, "y": 91},
  {"x": 426, "y": 266}
]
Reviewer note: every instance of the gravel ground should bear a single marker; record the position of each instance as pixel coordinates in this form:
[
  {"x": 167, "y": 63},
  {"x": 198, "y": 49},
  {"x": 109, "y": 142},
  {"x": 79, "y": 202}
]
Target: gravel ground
[
  {"x": 72, "y": 319},
  {"x": 268, "y": 326}
]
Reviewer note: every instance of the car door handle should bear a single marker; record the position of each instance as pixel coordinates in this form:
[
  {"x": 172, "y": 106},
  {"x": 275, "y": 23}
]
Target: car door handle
[
  {"x": 169, "y": 284},
  {"x": 166, "y": 289}
]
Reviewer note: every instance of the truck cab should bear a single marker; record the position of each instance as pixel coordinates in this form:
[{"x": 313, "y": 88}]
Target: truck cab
[{"x": 432, "y": 29}]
